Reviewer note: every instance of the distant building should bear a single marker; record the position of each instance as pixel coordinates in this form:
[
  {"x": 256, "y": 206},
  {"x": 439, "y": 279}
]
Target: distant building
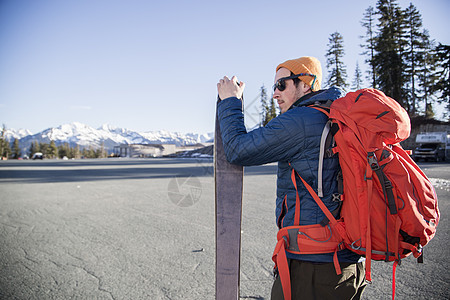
[
  {"x": 151, "y": 150},
  {"x": 143, "y": 150},
  {"x": 192, "y": 147}
]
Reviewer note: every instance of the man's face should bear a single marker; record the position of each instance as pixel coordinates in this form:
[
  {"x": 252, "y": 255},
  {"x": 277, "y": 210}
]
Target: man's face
[{"x": 291, "y": 93}]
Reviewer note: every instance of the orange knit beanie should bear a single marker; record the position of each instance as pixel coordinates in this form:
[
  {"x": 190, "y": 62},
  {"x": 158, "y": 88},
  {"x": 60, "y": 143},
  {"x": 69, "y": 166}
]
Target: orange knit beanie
[{"x": 307, "y": 64}]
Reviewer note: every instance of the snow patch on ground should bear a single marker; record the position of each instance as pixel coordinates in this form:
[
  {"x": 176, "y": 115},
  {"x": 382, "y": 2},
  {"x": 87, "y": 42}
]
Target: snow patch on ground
[{"x": 439, "y": 183}]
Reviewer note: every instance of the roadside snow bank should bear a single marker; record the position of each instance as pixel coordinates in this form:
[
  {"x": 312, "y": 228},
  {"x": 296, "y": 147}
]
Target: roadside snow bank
[{"x": 439, "y": 183}]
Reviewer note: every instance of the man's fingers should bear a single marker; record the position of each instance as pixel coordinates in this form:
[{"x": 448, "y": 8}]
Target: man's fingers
[{"x": 230, "y": 87}]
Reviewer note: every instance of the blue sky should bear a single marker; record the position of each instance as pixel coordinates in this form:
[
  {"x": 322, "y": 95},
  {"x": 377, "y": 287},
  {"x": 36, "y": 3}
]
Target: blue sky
[{"x": 154, "y": 65}]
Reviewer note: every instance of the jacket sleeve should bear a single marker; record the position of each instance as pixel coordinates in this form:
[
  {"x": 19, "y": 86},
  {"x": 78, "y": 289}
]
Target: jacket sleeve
[{"x": 279, "y": 140}]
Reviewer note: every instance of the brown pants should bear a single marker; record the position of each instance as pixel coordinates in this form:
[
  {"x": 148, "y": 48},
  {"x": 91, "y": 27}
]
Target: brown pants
[{"x": 319, "y": 281}]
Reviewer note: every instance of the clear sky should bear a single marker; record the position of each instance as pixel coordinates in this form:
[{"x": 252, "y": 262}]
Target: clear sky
[{"x": 153, "y": 65}]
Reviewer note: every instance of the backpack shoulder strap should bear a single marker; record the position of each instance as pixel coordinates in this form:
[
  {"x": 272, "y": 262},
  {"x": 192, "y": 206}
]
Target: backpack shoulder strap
[
  {"x": 325, "y": 142},
  {"x": 322, "y": 108},
  {"x": 323, "y": 139}
]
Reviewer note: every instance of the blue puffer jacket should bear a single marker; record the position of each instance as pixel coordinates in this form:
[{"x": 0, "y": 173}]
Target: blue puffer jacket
[{"x": 293, "y": 137}]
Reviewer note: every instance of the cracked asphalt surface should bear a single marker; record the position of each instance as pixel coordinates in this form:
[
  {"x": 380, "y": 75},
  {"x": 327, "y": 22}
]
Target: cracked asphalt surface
[{"x": 110, "y": 229}]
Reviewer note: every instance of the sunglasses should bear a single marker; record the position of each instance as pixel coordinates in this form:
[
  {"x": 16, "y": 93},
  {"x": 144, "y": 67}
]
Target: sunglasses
[{"x": 281, "y": 83}]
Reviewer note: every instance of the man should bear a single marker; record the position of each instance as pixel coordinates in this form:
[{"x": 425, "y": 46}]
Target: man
[{"x": 293, "y": 140}]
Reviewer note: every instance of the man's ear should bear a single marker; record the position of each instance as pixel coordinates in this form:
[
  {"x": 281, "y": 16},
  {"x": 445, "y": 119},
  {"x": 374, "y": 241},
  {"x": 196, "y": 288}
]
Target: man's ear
[{"x": 305, "y": 88}]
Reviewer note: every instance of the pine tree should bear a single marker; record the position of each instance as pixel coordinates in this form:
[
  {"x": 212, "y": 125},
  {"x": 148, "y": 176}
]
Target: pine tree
[
  {"x": 91, "y": 152},
  {"x": 428, "y": 76},
  {"x": 264, "y": 106},
  {"x": 414, "y": 54},
  {"x": 88, "y": 153},
  {"x": 443, "y": 84},
  {"x": 388, "y": 60},
  {"x": 358, "y": 79},
  {"x": 5, "y": 149},
  {"x": 16, "y": 153},
  {"x": 368, "y": 22},
  {"x": 32, "y": 149},
  {"x": 75, "y": 152},
  {"x": 272, "y": 109},
  {"x": 43, "y": 148},
  {"x": 63, "y": 150},
  {"x": 429, "y": 112},
  {"x": 52, "y": 150},
  {"x": 37, "y": 147},
  {"x": 269, "y": 109},
  {"x": 336, "y": 68},
  {"x": 2, "y": 142},
  {"x": 100, "y": 152}
]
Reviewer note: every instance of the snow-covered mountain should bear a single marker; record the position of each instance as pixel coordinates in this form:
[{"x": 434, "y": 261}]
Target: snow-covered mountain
[
  {"x": 83, "y": 135},
  {"x": 12, "y": 134}
]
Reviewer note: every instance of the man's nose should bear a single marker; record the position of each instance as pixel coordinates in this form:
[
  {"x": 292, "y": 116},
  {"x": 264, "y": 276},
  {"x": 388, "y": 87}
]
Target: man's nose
[{"x": 276, "y": 94}]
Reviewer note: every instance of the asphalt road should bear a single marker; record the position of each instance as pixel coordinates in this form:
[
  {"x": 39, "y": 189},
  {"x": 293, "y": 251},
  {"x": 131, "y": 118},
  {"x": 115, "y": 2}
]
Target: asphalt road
[{"x": 144, "y": 229}]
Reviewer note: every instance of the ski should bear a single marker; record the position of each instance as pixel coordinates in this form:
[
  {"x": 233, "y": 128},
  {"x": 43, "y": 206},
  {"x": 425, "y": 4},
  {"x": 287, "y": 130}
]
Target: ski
[{"x": 228, "y": 180}]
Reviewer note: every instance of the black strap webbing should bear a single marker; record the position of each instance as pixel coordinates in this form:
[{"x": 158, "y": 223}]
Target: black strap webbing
[{"x": 387, "y": 191}]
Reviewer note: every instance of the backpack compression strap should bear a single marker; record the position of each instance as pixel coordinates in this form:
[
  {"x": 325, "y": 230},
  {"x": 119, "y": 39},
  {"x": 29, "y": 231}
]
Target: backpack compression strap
[{"x": 319, "y": 202}]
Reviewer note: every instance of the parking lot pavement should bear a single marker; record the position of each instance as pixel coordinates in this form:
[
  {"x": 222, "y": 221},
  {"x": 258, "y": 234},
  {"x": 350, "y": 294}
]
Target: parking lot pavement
[{"x": 144, "y": 229}]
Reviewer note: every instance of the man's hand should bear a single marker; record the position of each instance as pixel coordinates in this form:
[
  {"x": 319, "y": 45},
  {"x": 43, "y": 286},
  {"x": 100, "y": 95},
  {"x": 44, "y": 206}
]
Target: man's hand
[{"x": 230, "y": 88}]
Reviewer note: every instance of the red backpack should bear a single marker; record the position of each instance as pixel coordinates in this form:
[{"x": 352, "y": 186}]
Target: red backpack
[{"x": 389, "y": 207}]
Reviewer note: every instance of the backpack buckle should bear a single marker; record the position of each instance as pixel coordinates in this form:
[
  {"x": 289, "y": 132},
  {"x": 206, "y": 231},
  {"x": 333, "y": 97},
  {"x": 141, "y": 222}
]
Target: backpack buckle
[
  {"x": 388, "y": 184},
  {"x": 329, "y": 153},
  {"x": 372, "y": 160},
  {"x": 355, "y": 245}
]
